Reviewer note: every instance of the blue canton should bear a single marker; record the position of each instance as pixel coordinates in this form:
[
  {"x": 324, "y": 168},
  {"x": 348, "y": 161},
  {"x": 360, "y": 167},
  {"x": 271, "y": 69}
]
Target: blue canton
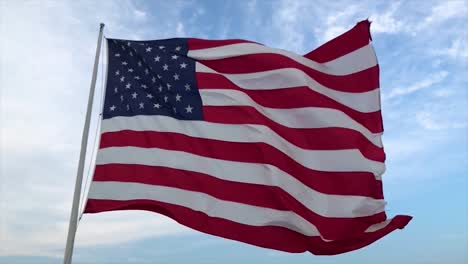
[{"x": 151, "y": 78}]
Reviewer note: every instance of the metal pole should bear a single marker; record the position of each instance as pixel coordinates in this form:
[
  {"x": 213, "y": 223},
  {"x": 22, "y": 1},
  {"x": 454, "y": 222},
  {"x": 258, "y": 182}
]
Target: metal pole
[{"x": 79, "y": 176}]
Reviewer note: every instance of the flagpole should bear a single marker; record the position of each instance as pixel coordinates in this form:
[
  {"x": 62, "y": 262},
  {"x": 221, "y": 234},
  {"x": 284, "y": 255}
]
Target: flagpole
[{"x": 84, "y": 141}]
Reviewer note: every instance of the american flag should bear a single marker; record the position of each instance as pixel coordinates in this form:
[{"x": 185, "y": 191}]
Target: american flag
[{"x": 247, "y": 142}]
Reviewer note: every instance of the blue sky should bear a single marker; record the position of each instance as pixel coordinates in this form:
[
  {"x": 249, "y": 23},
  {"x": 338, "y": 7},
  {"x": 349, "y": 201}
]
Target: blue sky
[{"x": 47, "y": 50}]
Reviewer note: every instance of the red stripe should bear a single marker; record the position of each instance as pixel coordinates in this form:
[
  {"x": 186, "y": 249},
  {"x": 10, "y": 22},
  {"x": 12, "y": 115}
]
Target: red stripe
[
  {"x": 344, "y": 183},
  {"x": 195, "y": 43},
  {"x": 246, "y": 193},
  {"x": 264, "y": 236},
  {"x": 292, "y": 98},
  {"x": 363, "y": 81},
  {"x": 330, "y": 138},
  {"x": 350, "y": 41}
]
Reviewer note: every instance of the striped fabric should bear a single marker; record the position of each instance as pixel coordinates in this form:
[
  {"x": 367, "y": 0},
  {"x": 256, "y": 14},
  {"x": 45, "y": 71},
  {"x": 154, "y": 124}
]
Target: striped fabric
[{"x": 285, "y": 153}]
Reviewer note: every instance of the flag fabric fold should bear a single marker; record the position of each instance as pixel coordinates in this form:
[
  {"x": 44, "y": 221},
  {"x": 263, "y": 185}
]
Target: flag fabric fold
[{"x": 247, "y": 142}]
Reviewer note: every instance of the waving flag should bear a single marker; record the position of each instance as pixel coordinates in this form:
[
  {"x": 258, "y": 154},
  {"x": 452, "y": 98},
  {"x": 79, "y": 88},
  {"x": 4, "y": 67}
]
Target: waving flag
[{"x": 247, "y": 142}]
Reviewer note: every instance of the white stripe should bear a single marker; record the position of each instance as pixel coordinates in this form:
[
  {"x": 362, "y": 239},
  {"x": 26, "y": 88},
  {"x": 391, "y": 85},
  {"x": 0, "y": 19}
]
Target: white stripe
[
  {"x": 202, "y": 202},
  {"x": 213, "y": 207},
  {"x": 378, "y": 226},
  {"x": 321, "y": 160},
  {"x": 356, "y": 61},
  {"x": 365, "y": 102},
  {"x": 371, "y": 229},
  {"x": 305, "y": 117},
  {"x": 326, "y": 205}
]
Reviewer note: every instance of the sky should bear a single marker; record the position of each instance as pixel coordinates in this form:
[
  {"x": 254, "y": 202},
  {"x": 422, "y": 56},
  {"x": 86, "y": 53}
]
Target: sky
[{"x": 46, "y": 57}]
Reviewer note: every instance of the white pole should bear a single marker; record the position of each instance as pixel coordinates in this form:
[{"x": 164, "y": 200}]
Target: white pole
[{"x": 79, "y": 176}]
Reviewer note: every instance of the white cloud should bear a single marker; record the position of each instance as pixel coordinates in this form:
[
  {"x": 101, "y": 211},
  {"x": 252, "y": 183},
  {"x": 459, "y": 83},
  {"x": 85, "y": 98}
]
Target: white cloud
[
  {"x": 419, "y": 85},
  {"x": 426, "y": 120},
  {"x": 180, "y": 29},
  {"x": 435, "y": 15},
  {"x": 45, "y": 76},
  {"x": 387, "y": 22},
  {"x": 429, "y": 120},
  {"x": 287, "y": 22},
  {"x": 118, "y": 227},
  {"x": 338, "y": 23},
  {"x": 252, "y": 6},
  {"x": 446, "y": 10},
  {"x": 444, "y": 93},
  {"x": 139, "y": 14},
  {"x": 384, "y": 20},
  {"x": 457, "y": 50}
]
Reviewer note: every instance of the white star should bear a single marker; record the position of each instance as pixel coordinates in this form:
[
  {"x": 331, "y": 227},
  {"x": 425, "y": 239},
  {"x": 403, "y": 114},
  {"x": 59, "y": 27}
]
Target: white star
[
  {"x": 142, "y": 105},
  {"x": 122, "y": 79},
  {"x": 150, "y": 96},
  {"x": 130, "y": 70},
  {"x": 165, "y": 67},
  {"x": 134, "y": 95},
  {"x": 187, "y": 87},
  {"x": 137, "y": 77},
  {"x": 160, "y": 88},
  {"x": 112, "y": 108},
  {"x": 176, "y": 76},
  {"x": 183, "y": 65},
  {"x": 161, "y": 47},
  {"x": 117, "y": 54},
  {"x": 128, "y": 85},
  {"x": 148, "y": 49},
  {"x": 168, "y": 86},
  {"x": 177, "y": 98},
  {"x": 174, "y": 57},
  {"x": 117, "y": 73},
  {"x": 139, "y": 63},
  {"x": 156, "y": 106},
  {"x": 189, "y": 109},
  {"x": 166, "y": 98},
  {"x": 178, "y": 48},
  {"x": 153, "y": 79},
  {"x": 157, "y": 58},
  {"x": 124, "y": 63}
]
